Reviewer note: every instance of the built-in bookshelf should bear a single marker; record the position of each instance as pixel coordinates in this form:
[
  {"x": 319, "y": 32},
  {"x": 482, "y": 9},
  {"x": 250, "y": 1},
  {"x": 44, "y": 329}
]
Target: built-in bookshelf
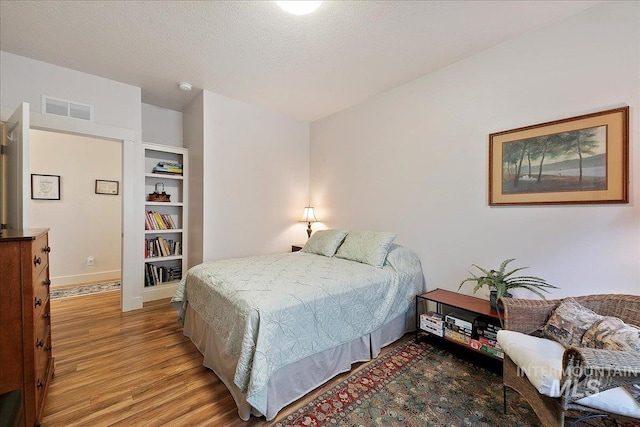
[{"x": 165, "y": 222}]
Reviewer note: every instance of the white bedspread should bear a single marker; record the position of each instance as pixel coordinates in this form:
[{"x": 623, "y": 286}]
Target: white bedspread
[{"x": 274, "y": 310}]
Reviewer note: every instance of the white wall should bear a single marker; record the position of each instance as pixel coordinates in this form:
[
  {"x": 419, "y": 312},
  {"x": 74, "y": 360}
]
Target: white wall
[
  {"x": 82, "y": 223},
  {"x": 255, "y": 179},
  {"x": 414, "y": 160},
  {"x": 117, "y": 111},
  {"x": 26, "y": 80},
  {"x": 252, "y": 164},
  {"x": 194, "y": 140},
  {"x": 161, "y": 125}
]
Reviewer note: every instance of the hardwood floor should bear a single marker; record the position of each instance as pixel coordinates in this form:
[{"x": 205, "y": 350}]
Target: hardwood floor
[
  {"x": 133, "y": 369},
  {"x": 130, "y": 369}
]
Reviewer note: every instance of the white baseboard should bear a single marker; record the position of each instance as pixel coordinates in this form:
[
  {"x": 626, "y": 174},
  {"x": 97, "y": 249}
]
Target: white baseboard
[
  {"x": 79, "y": 279},
  {"x": 153, "y": 293},
  {"x": 134, "y": 303}
]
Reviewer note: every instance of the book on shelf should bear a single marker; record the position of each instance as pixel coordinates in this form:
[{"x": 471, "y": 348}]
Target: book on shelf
[
  {"x": 168, "y": 171},
  {"x": 159, "y": 222},
  {"x": 154, "y": 272},
  {"x": 156, "y": 221},
  {"x": 147, "y": 276},
  {"x": 170, "y": 168},
  {"x": 156, "y": 275},
  {"x": 161, "y": 247}
]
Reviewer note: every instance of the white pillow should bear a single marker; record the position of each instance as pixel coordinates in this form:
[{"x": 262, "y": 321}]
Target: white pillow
[
  {"x": 615, "y": 400},
  {"x": 367, "y": 247},
  {"x": 324, "y": 242}
]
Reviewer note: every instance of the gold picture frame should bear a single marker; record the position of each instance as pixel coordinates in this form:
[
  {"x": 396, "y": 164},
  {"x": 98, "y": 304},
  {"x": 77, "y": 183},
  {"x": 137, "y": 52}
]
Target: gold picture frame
[{"x": 583, "y": 159}]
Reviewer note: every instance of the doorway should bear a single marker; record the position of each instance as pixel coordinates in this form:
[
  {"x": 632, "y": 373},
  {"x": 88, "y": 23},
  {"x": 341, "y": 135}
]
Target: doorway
[
  {"x": 86, "y": 223},
  {"x": 18, "y": 124}
]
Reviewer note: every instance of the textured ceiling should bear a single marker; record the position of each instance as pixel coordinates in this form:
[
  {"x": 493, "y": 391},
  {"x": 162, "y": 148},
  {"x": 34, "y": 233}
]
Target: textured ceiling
[{"x": 304, "y": 66}]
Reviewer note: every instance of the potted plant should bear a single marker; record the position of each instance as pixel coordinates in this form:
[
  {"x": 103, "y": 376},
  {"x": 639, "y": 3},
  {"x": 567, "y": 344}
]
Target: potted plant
[{"x": 500, "y": 282}]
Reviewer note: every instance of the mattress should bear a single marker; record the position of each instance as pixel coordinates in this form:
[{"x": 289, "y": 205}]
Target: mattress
[{"x": 269, "y": 312}]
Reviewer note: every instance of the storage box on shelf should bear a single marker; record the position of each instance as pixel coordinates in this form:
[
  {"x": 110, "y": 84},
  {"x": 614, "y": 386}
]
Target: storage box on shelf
[
  {"x": 432, "y": 323},
  {"x": 462, "y": 319},
  {"x": 166, "y": 214}
]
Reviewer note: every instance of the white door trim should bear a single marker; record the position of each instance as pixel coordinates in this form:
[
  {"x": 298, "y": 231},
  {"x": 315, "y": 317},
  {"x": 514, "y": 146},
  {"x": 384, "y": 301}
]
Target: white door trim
[{"x": 132, "y": 258}]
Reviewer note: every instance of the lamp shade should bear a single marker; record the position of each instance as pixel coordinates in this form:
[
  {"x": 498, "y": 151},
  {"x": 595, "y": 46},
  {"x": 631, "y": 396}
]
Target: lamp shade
[{"x": 308, "y": 215}]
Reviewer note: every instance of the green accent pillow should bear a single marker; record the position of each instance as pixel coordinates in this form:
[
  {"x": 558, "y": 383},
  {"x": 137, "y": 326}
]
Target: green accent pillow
[
  {"x": 367, "y": 247},
  {"x": 324, "y": 242}
]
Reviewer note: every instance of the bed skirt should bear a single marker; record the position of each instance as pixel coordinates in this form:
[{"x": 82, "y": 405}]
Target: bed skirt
[{"x": 291, "y": 382}]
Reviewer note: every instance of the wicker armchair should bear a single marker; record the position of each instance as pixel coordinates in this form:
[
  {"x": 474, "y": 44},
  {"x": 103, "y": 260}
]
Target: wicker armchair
[{"x": 582, "y": 367}]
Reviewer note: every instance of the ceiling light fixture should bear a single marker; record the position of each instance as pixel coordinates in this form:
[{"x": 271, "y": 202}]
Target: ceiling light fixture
[
  {"x": 299, "y": 7},
  {"x": 184, "y": 86}
]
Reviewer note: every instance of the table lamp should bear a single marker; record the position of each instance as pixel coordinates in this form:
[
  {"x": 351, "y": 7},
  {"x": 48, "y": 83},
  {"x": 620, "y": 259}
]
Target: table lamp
[{"x": 308, "y": 216}]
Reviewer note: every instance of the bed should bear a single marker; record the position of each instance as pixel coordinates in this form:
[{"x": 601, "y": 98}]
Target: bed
[{"x": 274, "y": 327}]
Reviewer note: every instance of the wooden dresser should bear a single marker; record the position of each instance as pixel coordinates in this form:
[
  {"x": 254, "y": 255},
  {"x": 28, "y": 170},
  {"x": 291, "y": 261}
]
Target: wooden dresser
[{"x": 26, "y": 360}]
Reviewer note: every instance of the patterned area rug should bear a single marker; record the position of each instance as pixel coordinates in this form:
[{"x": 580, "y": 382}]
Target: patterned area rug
[
  {"x": 416, "y": 385},
  {"x": 84, "y": 290}
]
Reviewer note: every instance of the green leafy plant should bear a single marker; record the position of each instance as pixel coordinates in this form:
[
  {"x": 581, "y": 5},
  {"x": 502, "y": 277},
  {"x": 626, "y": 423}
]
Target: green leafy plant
[{"x": 502, "y": 281}]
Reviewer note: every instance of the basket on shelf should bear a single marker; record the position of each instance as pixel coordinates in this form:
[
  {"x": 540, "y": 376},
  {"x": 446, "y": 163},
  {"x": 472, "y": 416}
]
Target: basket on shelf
[{"x": 159, "y": 195}]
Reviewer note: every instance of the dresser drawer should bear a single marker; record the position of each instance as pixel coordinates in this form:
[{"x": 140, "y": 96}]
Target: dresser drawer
[
  {"x": 42, "y": 355},
  {"x": 41, "y": 329},
  {"x": 40, "y": 291},
  {"x": 44, "y": 372},
  {"x": 40, "y": 254}
]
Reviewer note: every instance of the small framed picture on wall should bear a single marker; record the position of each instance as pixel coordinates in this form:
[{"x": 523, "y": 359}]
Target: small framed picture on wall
[
  {"x": 45, "y": 187},
  {"x": 107, "y": 187}
]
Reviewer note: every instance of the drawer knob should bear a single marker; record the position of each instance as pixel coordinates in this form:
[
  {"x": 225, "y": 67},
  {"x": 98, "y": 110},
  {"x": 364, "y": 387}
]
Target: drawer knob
[
  {"x": 47, "y": 249},
  {"x": 38, "y": 301},
  {"x": 39, "y": 343},
  {"x": 37, "y": 260},
  {"x": 46, "y": 282},
  {"x": 46, "y": 316},
  {"x": 40, "y": 383},
  {"x": 49, "y": 347}
]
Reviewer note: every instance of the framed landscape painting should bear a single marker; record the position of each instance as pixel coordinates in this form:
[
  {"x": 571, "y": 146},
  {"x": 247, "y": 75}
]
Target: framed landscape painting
[{"x": 582, "y": 159}]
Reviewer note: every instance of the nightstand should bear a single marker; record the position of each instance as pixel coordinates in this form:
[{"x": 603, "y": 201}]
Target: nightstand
[{"x": 296, "y": 248}]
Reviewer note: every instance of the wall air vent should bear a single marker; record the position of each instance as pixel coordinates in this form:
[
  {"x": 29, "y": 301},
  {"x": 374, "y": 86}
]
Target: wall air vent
[{"x": 61, "y": 107}]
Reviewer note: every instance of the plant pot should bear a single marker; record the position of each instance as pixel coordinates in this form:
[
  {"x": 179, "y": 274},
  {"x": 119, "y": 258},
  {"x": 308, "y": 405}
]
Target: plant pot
[{"x": 493, "y": 299}]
